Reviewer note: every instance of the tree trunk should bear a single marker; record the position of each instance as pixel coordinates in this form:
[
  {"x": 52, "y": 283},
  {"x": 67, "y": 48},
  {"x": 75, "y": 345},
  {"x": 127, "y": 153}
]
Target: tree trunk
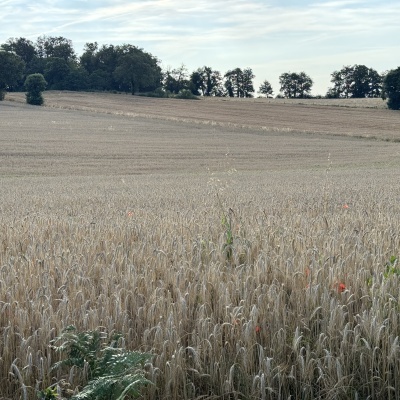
[{"x": 132, "y": 87}]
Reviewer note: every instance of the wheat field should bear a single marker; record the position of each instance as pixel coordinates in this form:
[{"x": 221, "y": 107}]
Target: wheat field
[{"x": 121, "y": 221}]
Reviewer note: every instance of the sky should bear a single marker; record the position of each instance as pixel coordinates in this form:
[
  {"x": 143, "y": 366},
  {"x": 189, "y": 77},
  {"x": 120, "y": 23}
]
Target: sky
[{"x": 269, "y": 36}]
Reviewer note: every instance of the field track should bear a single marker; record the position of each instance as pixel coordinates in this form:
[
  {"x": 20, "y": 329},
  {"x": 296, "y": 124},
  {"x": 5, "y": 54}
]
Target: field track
[{"x": 348, "y": 117}]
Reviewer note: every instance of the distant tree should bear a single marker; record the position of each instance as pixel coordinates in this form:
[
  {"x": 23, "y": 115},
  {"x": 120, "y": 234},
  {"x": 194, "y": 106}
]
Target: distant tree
[
  {"x": 124, "y": 68},
  {"x": 239, "y": 83},
  {"x": 247, "y": 82},
  {"x": 176, "y": 79},
  {"x": 77, "y": 79},
  {"x": 196, "y": 83},
  {"x": 106, "y": 58},
  {"x": 35, "y": 84},
  {"x": 100, "y": 80},
  {"x": 295, "y": 85},
  {"x": 11, "y": 71},
  {"x": 138, "y": 70},
  {"x": 89, "y": 59},
  {"x": 21, "y": 47},
  {"x": 206, "y": 81},
  {"x": 266, "y": 89},
  {"x": 342, "y": 82},
  {"x": 355, "y": 81},
  {"x": 56, "y": 71},
  {"x": 55, "y": 47},
  {"x": 100, "y": 64},
  {"x": 391, "y": 88}
]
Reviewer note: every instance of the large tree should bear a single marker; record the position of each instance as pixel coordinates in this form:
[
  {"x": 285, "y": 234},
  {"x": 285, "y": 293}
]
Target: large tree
[
  {"x": 176, "y": 79},
  {"x": 11, "y": 71},
  {"x": 21, "y": 47},
  {"x": 206, "y": 81},
  {"x": 52, "y": 46},
  {"x": 55, "y": 72},
  {"x": 125, "y": 68},
  {"x": 356, "y": 81},
  {"x": 391, "y": 88},
  {"x": 137, "y": 69},
  {"x": 239, "y": 83},
  {"x": 89, "y": 58},
  {"x": 295, "y": 85}
]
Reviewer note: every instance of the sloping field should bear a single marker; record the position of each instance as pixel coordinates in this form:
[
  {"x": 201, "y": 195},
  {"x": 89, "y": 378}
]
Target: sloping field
[
  {"x": 343, "y": 117},
  {"x": 54, "y": 141},
  {"x": 251, "y": 263}
]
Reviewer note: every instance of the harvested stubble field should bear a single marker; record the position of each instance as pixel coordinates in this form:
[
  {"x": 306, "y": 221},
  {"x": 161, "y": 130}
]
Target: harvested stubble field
[{"x": 116, "y": 212}]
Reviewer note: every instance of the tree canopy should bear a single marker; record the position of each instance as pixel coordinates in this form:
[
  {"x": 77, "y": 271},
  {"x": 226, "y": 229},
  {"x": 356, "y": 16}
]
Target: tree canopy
[
  {"x": 120, "y": 68},
  {"x": 11, "y": 71},
  {"x": 295, "y": 85},
  {"x": 239, "y": 83},
  {"x": 128, "y": 68},
  {"x": 266, "y": 89},
  {"x": 355, "y": 81},
  {"x": 207, "y": 82},
  {"x": 391, "y": 88}
]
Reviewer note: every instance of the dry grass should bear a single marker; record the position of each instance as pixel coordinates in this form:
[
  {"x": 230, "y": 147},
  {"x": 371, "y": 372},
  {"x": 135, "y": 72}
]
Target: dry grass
[
  {"x": 114, "y": 221},
  {"x": 346, "y": 117}
]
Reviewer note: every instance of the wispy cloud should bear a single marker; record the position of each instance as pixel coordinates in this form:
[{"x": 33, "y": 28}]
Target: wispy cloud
[{"x": 223, "y": 33}]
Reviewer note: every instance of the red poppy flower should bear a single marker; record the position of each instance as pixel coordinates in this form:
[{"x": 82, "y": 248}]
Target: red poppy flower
[{"x": 341, "y": 287}]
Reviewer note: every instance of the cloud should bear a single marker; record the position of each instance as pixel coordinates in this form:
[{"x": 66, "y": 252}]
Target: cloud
[{"x": 221, "y": 33}]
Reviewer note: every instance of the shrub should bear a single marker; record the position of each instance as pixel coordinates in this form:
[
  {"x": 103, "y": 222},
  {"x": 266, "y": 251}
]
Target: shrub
[
  {"x": 35, "y": 84},
  {"x": 391, "y": 89},
  {"x": 186, "y": 94},
  {"x": 159, "y": 92}
]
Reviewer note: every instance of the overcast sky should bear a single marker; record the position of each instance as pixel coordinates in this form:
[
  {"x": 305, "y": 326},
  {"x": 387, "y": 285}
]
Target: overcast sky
[{"x": 270, "y": 36}]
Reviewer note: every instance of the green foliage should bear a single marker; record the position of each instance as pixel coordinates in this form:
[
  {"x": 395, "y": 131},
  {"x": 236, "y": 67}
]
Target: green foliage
[
  {"x": 35, "y": 84},
  {"x": 159, "y": 92},
  {"x": 11, "y": 70},
  {"x": 112, "y": 372},
  {"x": 136, "y": 69},
  {"x": 266, "y": 89},
  {"x": 391, "y": 88},
  {"x": 392, "y": 268},
  {"x": 186, "y": 94},
  {"x": 21, "y": 47},
  {"x": 48, "y": 394},
  {"x": 55, "y": 47},
  {"x": 239, "y": 83},
  {"x": 176, "y": 79},
  {"x": 226, "y": 222},
  {"x": 55, "y": 72},
  {"x": 35, "y": 99},
  {"x": 355, "y": 81},
  {"x": 295, "y": 85},
  {"x": 206, "y": 81}
]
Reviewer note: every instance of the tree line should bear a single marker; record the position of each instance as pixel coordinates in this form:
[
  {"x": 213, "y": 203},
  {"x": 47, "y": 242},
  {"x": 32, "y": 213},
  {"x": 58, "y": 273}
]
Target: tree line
[{"x": 127, "y": 68}]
